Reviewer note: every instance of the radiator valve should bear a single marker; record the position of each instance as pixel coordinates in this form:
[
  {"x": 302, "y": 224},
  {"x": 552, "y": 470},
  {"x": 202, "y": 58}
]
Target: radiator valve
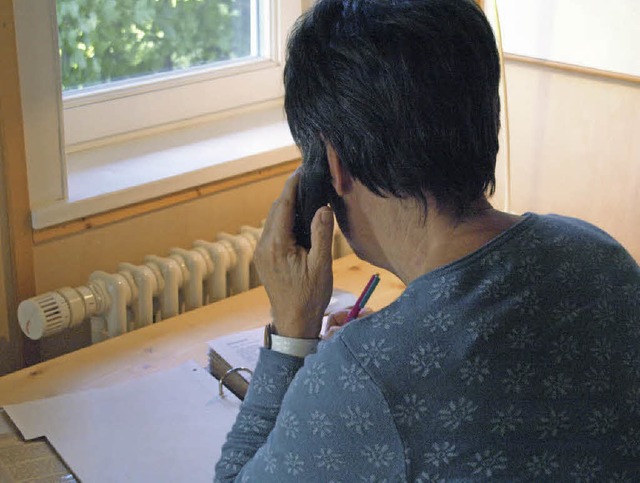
[{"x": 53, "y": 312}]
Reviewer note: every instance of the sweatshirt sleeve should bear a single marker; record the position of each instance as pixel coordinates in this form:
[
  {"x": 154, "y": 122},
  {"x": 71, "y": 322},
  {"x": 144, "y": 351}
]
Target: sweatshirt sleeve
[{"x": 330, "y": 423}]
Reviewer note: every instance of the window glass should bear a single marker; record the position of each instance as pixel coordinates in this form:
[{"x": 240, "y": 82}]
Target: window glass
[{"x": 103, "y": 42}]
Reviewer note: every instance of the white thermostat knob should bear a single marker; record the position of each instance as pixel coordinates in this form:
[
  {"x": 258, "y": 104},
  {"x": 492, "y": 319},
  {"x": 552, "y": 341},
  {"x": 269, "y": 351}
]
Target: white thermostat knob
[{"x": 44, "y": 315}]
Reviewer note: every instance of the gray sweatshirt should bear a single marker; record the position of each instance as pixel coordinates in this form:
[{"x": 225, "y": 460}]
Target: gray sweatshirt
[{"x": 520, "y": 361}]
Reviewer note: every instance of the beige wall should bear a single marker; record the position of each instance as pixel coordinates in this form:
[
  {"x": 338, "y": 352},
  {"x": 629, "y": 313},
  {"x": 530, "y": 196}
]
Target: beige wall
[
  {"x": 16, "y": 261},
  {"x": 9, "y": 332},
  {"x": 575, "y": 148},
  {"x": 70, "y": 260}
]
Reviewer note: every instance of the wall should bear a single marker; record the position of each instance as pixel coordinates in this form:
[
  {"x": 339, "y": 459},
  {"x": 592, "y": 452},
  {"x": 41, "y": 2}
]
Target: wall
[
  {"x": 9, "y": 350},
  {"x": 575, "y": 148},
  {"x": 16, "y": 258}
]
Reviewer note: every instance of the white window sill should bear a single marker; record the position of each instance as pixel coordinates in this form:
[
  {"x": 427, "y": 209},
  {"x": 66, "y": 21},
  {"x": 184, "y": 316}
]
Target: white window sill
[{"x": 110, "y": 177}]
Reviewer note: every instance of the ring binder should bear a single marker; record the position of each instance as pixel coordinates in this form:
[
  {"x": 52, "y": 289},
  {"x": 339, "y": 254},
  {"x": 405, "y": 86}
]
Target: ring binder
[{"x": 233, "y": 370}]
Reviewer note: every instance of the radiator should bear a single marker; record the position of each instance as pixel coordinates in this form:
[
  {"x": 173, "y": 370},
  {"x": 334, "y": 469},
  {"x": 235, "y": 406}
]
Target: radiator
[{"x": 158, "y": 289}]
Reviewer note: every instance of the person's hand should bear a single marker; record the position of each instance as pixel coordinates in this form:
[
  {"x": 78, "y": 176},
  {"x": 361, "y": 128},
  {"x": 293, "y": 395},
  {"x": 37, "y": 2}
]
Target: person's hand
[
  {"x": 338, "y": 319},
  {"x": 298, "y": 282}
]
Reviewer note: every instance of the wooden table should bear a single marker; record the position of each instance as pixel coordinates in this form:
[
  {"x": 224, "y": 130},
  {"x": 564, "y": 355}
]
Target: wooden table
[{"x": 173, "y": 341}]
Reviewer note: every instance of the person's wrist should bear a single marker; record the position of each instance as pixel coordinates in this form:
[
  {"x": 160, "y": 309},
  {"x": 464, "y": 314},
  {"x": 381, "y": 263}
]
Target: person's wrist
[
  {"x": 294, "y": 346},
  {"x": 297, "y": 330}
]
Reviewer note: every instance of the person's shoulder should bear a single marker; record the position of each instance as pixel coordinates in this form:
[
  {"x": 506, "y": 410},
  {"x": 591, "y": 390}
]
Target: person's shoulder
[
  {"x": 570, "y": 252},
  {"x": 363, "y": 334},
  {"x": 573, "y": 228},
  {"x": 381, "y": 342},
  {"x": 574, "y": 236}
]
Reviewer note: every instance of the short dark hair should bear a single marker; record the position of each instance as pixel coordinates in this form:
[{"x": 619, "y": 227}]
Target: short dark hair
[{"x": 406, "y": 91}]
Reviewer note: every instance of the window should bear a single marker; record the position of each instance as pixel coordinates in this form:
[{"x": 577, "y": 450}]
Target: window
[
  {"x": 180, "y": 43},
  {"x": 169, "y": 66},
  {"x": 115, "y": 41}
]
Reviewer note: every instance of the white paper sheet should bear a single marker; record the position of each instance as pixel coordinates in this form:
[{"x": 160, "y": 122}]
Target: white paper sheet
[
  {"x": 166, "y": 427},
  {"x": 240, "y": 349},
  {"x": 243, "y": 348}
]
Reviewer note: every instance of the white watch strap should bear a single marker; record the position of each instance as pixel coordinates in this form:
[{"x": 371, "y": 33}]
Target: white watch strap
[{"x": 292, "y": 346}]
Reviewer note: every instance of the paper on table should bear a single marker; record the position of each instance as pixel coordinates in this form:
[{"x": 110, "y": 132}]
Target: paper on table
[
  {"x": 166, "y": 427},
  {"x": 240, "y": 349},
  {"x": 243, "y": 348}
]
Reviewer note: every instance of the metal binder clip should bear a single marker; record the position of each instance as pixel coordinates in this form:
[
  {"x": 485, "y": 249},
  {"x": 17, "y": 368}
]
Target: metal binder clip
[{"x": 231, "y": 371}]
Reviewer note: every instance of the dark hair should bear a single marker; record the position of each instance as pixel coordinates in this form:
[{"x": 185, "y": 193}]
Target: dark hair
[{"x": 406, "y": 91}]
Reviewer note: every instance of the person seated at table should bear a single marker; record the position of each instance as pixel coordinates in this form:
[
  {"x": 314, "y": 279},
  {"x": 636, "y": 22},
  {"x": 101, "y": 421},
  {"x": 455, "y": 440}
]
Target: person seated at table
[{"x": 513, "y": 353}]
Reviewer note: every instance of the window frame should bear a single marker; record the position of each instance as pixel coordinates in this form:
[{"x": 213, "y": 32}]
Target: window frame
[{"x": 56, "y": 130}]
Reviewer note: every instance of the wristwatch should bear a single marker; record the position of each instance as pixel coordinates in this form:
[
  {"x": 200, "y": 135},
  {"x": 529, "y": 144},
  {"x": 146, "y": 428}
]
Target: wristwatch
[{"x": 288, "y": 345}]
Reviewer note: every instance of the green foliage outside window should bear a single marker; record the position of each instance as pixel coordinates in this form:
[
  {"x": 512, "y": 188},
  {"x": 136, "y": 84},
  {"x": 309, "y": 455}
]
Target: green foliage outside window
[{"x": 108, "y": 40}]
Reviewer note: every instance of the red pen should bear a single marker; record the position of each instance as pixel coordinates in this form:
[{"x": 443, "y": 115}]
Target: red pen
[{"x": 362, "y": 299}]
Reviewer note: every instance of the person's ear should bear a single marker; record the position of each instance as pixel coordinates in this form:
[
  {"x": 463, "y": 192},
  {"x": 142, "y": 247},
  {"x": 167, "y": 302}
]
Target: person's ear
[{"x": 340, "y": 178}]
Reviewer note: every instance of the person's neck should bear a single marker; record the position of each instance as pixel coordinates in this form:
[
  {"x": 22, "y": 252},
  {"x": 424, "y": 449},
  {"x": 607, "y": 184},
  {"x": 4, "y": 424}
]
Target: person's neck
[{"x": 420, "y": 246}]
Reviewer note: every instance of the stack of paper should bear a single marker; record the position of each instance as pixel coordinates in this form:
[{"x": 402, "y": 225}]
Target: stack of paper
[{"x": 167, "y": 427}]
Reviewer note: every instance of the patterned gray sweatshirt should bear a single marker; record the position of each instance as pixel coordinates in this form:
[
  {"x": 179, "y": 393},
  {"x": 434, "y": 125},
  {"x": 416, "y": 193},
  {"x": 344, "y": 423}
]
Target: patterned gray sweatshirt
[{"x": 518, "y": 362}]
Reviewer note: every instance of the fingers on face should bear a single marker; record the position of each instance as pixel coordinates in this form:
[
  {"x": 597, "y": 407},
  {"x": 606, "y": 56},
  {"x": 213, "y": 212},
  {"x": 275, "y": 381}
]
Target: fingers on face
[
  {"x": 279, "y": 225},
  {"x": 288, "y": 202},
  {"x": 322, "y": 236}
]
